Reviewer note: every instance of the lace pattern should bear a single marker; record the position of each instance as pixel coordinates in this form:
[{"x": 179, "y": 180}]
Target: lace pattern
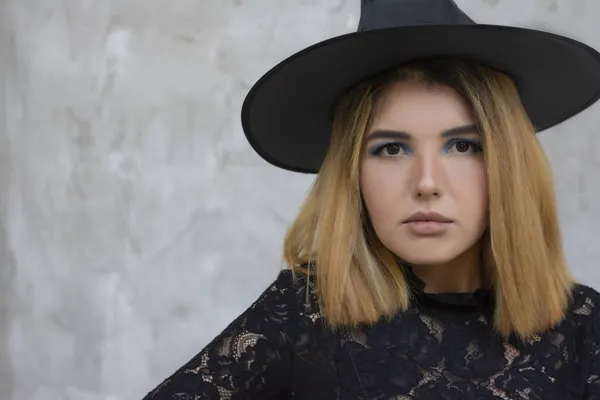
[{"x": 279, "y": 349}]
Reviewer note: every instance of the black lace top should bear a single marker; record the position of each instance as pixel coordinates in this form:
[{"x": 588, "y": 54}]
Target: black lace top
[{"x": 442, "y": 348}]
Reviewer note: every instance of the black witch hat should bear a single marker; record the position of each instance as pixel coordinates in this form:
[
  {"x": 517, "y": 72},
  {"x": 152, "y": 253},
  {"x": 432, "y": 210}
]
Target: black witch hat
[{"x": 287, "y": 113}]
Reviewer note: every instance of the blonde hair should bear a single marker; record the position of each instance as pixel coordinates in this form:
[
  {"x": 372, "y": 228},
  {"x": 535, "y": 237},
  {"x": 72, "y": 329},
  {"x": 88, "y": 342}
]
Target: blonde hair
[{"x": 359, "y": 281}]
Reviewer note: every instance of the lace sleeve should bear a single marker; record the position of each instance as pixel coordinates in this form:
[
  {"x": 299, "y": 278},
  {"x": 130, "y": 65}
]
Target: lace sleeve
[
  {"x": 592, "y": 350},
  {"x": 250, "y": 359}
]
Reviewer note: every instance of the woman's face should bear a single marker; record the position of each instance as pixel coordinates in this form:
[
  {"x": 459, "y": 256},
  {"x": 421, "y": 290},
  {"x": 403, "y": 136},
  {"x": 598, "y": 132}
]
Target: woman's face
[{"x": 423, "y": 177}]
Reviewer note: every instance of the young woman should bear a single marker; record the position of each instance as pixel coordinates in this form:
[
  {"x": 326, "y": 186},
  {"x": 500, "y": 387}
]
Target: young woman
[{"x": 426, "y": 262}]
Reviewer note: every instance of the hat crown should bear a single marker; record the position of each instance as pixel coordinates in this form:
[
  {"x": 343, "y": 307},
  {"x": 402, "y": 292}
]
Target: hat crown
[{"x": 380, "y": 14}]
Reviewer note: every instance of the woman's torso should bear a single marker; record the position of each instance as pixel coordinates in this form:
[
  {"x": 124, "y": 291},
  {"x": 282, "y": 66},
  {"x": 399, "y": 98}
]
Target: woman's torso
[{"x": 444, "y": 348}]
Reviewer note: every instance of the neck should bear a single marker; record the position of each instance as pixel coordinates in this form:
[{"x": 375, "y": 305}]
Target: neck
[{"x": 460, "y": 275}]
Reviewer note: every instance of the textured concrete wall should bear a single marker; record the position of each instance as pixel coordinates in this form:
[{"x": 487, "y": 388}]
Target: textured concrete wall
[{"x": 136, "y": 222}]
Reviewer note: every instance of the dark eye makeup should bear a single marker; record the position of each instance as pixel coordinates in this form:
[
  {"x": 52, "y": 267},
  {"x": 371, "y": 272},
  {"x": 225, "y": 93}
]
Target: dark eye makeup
[{"x": 453, "y": 146}]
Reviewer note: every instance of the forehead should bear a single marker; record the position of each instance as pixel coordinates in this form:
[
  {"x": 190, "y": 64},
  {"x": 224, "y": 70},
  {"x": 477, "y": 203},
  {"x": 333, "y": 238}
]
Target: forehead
[{"x": 420, "y": 107}]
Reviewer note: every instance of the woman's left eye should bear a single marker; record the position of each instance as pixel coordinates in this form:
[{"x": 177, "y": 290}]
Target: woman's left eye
[{"x": 463, "y": 146}]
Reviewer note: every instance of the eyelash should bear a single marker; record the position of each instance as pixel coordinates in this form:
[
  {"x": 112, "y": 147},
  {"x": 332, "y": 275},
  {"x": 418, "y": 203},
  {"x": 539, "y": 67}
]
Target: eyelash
[
  {"x": 475, "y": 145},
  {"x": 378, "y": 150}
]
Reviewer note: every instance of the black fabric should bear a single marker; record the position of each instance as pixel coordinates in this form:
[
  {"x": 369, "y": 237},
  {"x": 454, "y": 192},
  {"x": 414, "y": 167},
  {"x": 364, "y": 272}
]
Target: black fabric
[{"x": 443, "y": 347}]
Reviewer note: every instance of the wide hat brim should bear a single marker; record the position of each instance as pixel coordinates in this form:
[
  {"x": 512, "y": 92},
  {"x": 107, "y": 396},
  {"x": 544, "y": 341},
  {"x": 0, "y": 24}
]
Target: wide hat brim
[{"x": 286, "y": 115}]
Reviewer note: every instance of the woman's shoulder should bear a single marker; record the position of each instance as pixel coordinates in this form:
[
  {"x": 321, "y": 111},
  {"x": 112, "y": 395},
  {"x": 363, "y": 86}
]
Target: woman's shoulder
[
  {"x": 583, "y": 295},
  {"x": 298, "y": 288},
  {"x": 253, "y": 356},
  {"x": 584, "y": 307}
]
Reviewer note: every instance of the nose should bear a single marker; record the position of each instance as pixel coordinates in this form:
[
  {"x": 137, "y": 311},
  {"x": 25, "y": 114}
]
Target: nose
[{"x": 428, "y": 174}]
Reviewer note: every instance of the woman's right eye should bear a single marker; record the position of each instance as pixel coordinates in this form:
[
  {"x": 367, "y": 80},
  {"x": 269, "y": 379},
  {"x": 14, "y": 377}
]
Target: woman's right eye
[{"x": 389, "y": 149}]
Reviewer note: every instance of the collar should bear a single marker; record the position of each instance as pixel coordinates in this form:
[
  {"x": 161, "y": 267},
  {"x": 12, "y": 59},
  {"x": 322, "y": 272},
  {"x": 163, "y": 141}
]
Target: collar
[{"x": 480, "y": 298}]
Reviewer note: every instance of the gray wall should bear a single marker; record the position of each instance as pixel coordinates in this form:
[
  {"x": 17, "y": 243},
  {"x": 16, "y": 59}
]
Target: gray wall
[{"x": 136, "y": 221}]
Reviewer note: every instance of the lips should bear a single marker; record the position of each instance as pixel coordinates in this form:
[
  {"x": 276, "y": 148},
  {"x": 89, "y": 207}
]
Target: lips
[
  {"x": 428, "y": 224},
  {"x": 428, "y": 217}
]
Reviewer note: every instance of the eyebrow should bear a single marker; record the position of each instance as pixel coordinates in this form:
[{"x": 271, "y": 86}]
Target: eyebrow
[{"x": 393, "y": 134}]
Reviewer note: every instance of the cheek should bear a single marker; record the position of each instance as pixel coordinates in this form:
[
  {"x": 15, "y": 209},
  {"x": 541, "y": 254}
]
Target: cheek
[
  {"x": 471, "y": 191},
  {"x": 382, "y": 188}
]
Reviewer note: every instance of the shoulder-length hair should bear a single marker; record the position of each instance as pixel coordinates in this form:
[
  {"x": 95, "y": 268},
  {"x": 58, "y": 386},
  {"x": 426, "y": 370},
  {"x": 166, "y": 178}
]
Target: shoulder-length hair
[{"x": 359, "y": 281}]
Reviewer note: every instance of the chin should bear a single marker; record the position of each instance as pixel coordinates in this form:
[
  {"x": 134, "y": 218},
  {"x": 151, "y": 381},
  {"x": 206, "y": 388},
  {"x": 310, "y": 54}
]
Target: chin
[
  {"x": 431, "y": 254},
  {"x": 425, "y": 259}
]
